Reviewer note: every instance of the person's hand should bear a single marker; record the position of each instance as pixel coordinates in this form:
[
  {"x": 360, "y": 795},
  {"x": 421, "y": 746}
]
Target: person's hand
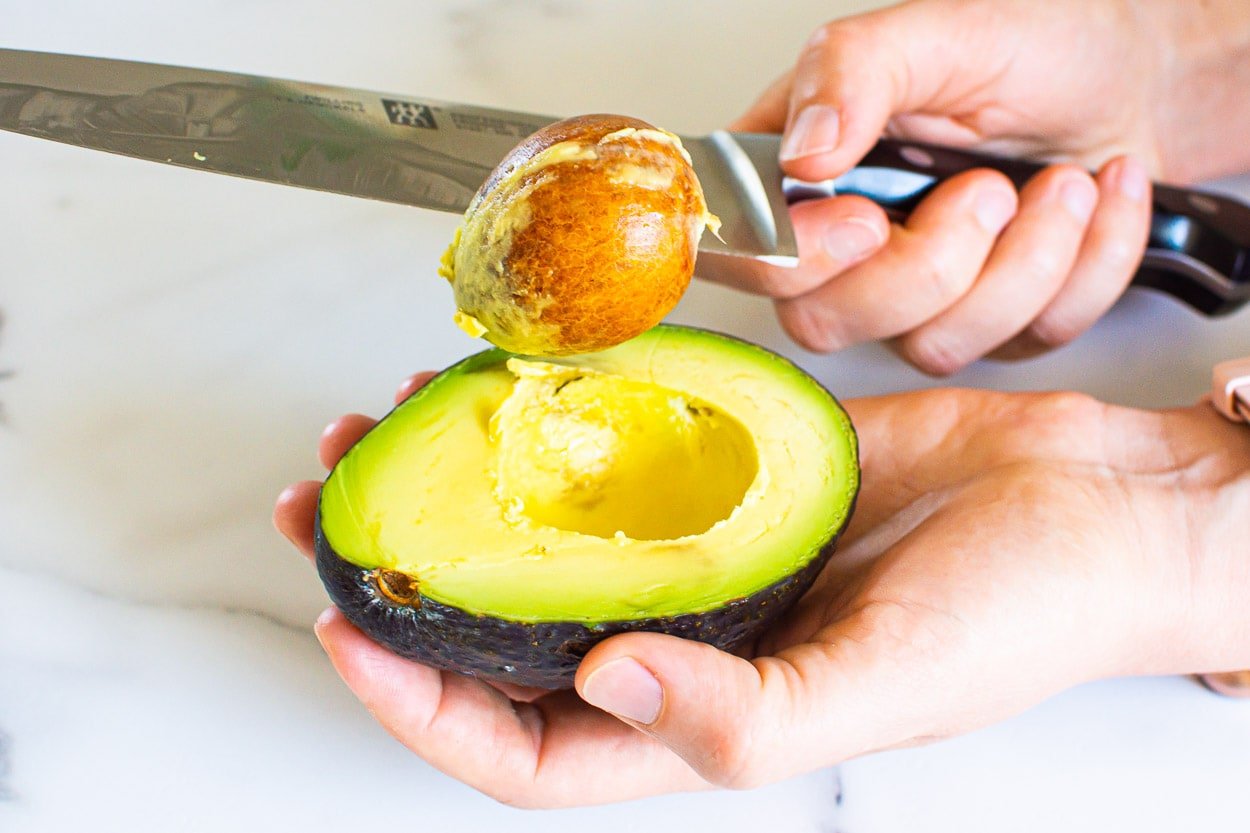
[
  {"x": 1004, "y": 547},
  {"x": 1105, "y": 85}
]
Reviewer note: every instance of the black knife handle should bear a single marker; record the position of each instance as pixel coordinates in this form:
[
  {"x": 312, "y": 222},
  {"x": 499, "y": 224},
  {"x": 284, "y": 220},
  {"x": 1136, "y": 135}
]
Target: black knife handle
[{"x": 1199, "y": 246}]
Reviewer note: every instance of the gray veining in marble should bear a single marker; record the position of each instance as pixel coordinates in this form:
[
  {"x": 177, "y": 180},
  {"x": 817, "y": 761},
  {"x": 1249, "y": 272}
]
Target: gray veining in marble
[{"x": 299, "y": 628}]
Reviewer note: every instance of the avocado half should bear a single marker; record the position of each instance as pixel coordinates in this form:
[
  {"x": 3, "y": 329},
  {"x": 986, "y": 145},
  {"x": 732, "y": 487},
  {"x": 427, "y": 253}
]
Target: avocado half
[{"x": 513, "y": 512}]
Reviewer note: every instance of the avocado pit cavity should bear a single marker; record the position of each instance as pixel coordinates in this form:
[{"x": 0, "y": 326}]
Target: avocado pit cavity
[{"x": 579, "y": 450}]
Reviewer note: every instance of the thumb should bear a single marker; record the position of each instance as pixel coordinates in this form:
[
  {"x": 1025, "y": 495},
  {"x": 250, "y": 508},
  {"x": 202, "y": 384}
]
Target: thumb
[
  {"x": 737, "y": 723},
  {"x": 851, "y": 77}
]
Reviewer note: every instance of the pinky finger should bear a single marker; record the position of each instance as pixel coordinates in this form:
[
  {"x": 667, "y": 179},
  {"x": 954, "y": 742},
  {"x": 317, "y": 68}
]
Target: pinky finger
[{"x": 1105, "y": 264}]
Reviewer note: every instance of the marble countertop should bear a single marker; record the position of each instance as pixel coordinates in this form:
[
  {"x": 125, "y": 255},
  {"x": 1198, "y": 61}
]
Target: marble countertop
[{"x": 174, "y": 343}]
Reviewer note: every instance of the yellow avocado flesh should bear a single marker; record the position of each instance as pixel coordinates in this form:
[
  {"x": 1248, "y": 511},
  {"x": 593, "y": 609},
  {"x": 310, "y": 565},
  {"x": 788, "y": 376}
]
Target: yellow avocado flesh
[
  {"x": 602, "y": 454},
  {"x": 689, "y": 470}
]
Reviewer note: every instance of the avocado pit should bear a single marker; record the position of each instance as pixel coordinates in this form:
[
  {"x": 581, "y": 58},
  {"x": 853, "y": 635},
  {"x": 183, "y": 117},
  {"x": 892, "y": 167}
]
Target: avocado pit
[{"x": 583, "y": 237}]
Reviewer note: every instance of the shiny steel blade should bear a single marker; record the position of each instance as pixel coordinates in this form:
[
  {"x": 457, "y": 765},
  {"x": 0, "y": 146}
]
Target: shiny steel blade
[
  {"x": 419, "y": 152},
  {"x": 397, "y": 148},
  {"x": 742, "y": 184}
]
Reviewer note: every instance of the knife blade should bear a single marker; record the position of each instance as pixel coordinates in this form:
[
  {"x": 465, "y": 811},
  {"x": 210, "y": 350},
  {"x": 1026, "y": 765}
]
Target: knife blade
[
  {"x": 435, "y": 154},
  {"x": 398, "y": 148}
]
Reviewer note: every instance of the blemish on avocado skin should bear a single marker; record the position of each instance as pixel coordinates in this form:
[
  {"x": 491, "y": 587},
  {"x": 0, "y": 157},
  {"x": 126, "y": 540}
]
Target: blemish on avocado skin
[{"x": 400, "y": 588}]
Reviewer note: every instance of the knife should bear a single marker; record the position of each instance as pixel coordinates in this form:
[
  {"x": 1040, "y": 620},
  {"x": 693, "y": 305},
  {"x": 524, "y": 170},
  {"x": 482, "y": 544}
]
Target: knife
[{"x": 435, "y": 154}]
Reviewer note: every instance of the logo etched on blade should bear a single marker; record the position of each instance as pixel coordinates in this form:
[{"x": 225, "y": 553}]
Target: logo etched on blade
[{"x": 409, "y": 114}]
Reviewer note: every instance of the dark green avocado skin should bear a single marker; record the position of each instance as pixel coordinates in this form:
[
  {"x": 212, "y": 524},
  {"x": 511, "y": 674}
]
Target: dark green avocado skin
[{"x": 537, "y": 654}]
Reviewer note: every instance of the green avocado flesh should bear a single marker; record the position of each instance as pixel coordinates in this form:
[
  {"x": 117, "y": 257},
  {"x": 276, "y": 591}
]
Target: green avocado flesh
[{"x": 669, "y": 475}]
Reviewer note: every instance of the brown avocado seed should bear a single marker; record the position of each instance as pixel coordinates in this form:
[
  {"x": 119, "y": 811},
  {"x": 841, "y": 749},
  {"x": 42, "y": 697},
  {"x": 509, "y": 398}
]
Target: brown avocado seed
[{"x": 584, "y": 237}]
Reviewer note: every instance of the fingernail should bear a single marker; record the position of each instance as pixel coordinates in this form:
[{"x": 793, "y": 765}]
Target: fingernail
[
  {"x": 851, "y": 240},
  {"x": 1079, "y": 197},
  {"x": 626, "y": 689},
  {"x": 815, "y": 130},
  {"x": 1133, "y": 180},
  {"x": 994, "y": 208}
]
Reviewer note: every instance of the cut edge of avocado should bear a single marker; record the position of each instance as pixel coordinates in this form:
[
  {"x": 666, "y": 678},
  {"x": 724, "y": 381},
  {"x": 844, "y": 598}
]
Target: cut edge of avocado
[
  {"x": 413, "y": 606},
  {"x": 387, "y": 608}
]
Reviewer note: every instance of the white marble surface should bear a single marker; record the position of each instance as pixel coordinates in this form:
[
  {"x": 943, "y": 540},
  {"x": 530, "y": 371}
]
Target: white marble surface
[{"x": 177, "y": 340}]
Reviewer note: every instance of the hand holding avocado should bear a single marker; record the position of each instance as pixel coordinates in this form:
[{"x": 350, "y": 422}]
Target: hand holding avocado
[
  {"x": 1127, "y": 89},
  {"x": 1005, "y": 547}
]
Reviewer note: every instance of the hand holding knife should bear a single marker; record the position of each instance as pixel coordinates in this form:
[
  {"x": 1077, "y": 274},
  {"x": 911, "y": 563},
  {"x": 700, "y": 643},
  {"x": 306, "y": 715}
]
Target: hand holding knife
[{"x": 432, "y": 154}]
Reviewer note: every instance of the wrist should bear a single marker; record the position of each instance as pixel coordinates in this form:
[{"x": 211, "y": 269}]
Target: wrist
[{"x": 1205, "y": 56}]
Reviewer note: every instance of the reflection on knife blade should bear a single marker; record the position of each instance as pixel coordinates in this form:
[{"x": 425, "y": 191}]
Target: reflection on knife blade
[
  {"x": 416, "y": 152},
  {"x": 264, "y": 134}
]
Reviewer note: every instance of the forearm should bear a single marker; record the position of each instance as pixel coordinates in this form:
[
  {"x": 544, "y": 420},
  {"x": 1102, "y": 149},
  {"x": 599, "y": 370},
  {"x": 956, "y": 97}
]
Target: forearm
[{"x": 1203, "y": 111}]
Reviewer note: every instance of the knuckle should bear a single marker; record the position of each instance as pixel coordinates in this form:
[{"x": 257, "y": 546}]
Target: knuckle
[
  {"x": 1072, "y": 407},
  {"x": 520, "y": 800},
  {"x": 809, "y": 76},
  {"x": 804, "y": 323},
  {"x": 1054, "y": 175},
  {"x": 983, "y": 178},
  {"x": 729, "y": 762},
  {"x": 976, "y": 183},
  {"x": 915, "y": 630},
  {"x": 835, "y": 40},
  {"x": 932, "y": 352},
  {"x": 1052, "y": 331},
  {"x": 1044, "y": 263},
  {"x": 820, "y": 36},
  {"x": 1118, "y": 256},
  {"x": 788, "y": 284},
  {"x": 828, "y": 36},
  {"x": 1055, "y": 422},
  {"x": 943, "y": 280},
  {"x": 858, "y": 30},
  {"x": 1065, "y": 171}
]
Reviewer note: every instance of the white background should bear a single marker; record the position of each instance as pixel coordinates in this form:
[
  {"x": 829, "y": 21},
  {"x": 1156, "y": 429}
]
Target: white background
[{"x": 178, "y": 340}]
